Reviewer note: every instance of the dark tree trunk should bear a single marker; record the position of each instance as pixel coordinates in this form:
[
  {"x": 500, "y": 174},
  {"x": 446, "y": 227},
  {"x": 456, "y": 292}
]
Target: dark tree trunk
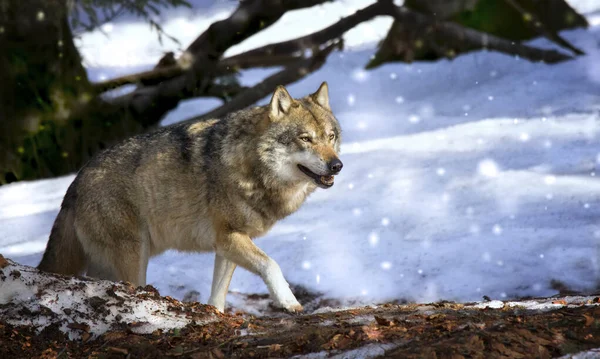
[{"x": 50, "y": 122}]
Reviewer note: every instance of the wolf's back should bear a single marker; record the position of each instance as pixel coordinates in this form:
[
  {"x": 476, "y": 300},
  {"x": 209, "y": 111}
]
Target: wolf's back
[{"x": 64, "y": 253}]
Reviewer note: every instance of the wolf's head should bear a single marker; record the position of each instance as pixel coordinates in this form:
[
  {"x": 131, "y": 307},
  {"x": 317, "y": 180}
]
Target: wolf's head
[{"x": 303, "y": 138}]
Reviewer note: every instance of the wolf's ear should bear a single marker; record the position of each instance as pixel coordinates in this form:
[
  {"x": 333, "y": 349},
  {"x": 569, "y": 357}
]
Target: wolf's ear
[
  {"x": 322, "y": 95},
  {"x": 280, "y": 102}
]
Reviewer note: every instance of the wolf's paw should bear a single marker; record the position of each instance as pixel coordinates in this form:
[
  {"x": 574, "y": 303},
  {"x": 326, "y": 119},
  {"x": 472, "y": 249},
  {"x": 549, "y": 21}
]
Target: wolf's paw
[
  {"x": 291, "y": 306},
  {"x": 295, "y": 308}
]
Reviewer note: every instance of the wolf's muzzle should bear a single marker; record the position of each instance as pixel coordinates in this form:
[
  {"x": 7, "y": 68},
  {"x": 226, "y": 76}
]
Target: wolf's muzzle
[{"x": 335, "y": 166}]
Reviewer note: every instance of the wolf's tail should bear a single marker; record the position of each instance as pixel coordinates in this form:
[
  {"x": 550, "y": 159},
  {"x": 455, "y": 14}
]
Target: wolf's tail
[{"x": 64, "y": 253}]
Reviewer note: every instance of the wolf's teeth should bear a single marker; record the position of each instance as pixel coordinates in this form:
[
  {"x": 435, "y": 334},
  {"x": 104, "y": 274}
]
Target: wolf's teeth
[{"x": 326, "y": 179}]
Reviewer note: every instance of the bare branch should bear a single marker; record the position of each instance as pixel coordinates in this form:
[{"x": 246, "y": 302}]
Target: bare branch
[
  {"x": 149, "y": 104},
  {"x": 155, "y": 75},
  {"x": 539, "y": 27},
  {"x": 476, "y": 39},
  {"x": 289, "y": 75},
  {"x": 160, "y": 74},
  {"x": 317, "y": 38}
]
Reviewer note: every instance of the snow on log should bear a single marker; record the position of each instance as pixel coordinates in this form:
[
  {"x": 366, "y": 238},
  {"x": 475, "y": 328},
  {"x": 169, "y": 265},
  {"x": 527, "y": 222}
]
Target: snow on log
[{"x": 82, "y": 306}]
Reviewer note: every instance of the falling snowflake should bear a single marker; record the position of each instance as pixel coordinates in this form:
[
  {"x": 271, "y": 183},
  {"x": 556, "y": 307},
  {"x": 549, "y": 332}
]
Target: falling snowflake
[
  {"x": 550, "y": 180},
  {"x": 497, "y": 229},
  {"x": 488, "y": 168},
  {"x": 108, "y": 27},
  {"x": 441, "y": 171},
  {"x": 351, "y": 100},
  {"x": 524, "y": 136},
  {"x": 385, "y": 221},
  {"x": 427, "y": 111},
  {"x": 491, "y": 98},
  {"x": 414, "y": 119},
  {"x": 373, "y": 238},
  {"x": 386, "y": 265},
  {"x": 399, "y": 99},
  {"x": 360, "y": 75},
  {"x": 306, "y": 265}
]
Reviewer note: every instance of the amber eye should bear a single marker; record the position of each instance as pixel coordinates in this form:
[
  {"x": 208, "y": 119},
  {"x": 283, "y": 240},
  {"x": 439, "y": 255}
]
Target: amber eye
[
  {"x": 305, "y": 138},
  {"x": 331, "y": 137}
]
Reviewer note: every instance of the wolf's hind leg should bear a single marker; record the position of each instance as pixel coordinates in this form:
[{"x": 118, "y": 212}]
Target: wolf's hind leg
[
  {"x": 126, "y": 263},
  {"x": 100, "y": 271},
  {"x": 131, "y": 265},
  {"x": 239, "y": 248},
  {"x": 222, "y": 274}
]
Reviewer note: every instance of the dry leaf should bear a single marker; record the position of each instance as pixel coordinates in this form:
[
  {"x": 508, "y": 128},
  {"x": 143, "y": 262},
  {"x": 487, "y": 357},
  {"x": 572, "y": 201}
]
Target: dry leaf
[
  {"x": 589, "y": 320},
  {"x": 383, "y": 321}
]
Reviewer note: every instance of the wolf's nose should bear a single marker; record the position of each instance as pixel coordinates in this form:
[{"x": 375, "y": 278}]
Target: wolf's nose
[{"x": 335, "y": 165}]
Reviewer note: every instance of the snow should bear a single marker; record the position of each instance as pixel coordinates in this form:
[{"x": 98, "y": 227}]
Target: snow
[
  {"x": 461, "y": 178},
  {"x": 588, "y": 354},
  {"x": 365, "y": 352},
  {"x": 63, "y": 301}
]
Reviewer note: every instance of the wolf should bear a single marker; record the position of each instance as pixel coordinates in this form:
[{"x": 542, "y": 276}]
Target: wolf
[{"x": 206, "y": 186}]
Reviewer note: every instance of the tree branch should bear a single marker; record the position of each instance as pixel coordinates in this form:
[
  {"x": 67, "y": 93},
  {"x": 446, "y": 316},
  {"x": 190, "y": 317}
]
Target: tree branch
[
  {"x": 539, "y": 27},
  {"x": 334, "y": 31},
  {"x": 160, "y": 74},
  {"x": 149, "y": 104},
  {"x": 289, "y": 75},
  {"x": 476, "y": 39},
  {"x": 152, "y": 102},
  {"x": 278, "y": 54}
]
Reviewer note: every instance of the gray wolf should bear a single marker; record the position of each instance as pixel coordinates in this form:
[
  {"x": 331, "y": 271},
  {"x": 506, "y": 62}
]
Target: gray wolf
[{"x": 209, "y": 186}]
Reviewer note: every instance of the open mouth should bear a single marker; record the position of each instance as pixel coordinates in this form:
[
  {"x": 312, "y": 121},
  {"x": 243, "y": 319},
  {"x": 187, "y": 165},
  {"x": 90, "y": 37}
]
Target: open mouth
[{"x": 321, "y": 181}]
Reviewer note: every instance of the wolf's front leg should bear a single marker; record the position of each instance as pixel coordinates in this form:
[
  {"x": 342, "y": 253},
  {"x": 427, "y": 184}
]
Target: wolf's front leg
[
  {"x": 221, "y": 278},
  {"x": 239, "y": 248}
]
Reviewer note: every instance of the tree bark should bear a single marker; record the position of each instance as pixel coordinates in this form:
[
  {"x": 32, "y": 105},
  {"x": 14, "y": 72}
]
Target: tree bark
[{"x": 41, "y": 74}]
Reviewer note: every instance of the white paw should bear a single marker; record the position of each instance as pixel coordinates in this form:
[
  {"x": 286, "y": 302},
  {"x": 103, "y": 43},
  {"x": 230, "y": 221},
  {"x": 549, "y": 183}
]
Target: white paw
[
  {"x": 280, "y": 290},
  {"x": 290, "y": 306},
  {"x": 220, "y": 304}
]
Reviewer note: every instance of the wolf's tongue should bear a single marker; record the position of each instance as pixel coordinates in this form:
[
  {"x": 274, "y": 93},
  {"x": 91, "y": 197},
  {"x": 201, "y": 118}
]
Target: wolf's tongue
[{"x": 326, "y": 180}]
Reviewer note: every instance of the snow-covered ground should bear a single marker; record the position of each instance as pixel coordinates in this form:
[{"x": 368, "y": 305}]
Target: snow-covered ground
[{"x": 461, "y": 178}]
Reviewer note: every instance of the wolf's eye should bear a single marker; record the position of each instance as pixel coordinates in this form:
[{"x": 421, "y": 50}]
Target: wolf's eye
[
  {"x": 305, "y": 138},
  {"x": 331, "y": 137}
]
